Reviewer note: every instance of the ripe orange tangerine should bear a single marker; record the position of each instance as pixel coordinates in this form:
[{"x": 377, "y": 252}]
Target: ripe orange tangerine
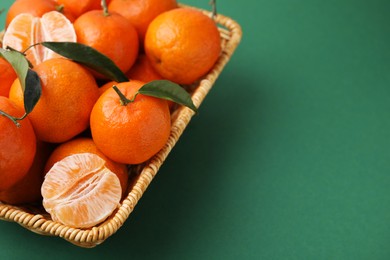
[
  {"x": 69, "y": 92},
  {"x": 183, "y": 44},
  {"x": 130, "y": 133}
]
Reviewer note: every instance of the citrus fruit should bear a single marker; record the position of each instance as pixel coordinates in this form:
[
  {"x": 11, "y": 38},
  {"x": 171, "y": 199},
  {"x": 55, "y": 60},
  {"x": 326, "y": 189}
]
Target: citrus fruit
[
  {"x": 111, "y": 34},
  {"x": 130, "y": 133},
  {"x": 26, "y": 30},
  {"x": 17, "y": 145},
  {"x": 86, "y": 145},
  {"x": 68, "y": 94},
  {"x": 7, "y": 77},
  {"x": 77, "y": 7},
  {"x": 34, "y": 7},
  {"x": 141, "y": 12},
  {"x": 28, "y": 189},
  {"x": 183, "y": 44},
  {"x": 80, "y": 191},
  {"x": 143, "y": 70}
]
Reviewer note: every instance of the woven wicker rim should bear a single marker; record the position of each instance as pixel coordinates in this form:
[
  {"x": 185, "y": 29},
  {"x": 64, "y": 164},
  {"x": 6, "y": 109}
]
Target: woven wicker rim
[{"x": 231, "y": 34}]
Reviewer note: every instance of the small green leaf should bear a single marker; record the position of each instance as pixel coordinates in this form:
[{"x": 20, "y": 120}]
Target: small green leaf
[
  {"x": 168, "y": 90},
  {"x": 18, "y": 62},
  {"x": 29, "y": 79},
  {"x": 89, "y": 57},
  {"x": 33, "y": 91}
]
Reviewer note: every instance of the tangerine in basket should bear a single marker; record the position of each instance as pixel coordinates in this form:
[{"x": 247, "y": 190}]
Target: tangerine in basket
[
  {"x": 80, "y": 191},
  {"x": 130, "y": 131},
  {"x": 17, "y": 144},
  {"x": 183, "y": 44},
  {"x": 35, "y": 7},
  {"x": 7, "y": 77},
  {"x": 28, "y": 189},
  {"x": 141, "y": 12},
  {"x": 25, "y": 30},
  {"x": 86, "y": 145},
  {"x": 69, "y": 92},
  {"x": 143, "y": 70},
  {"x": 77, "y": 7},
  {"x": 111, "y": 34}
]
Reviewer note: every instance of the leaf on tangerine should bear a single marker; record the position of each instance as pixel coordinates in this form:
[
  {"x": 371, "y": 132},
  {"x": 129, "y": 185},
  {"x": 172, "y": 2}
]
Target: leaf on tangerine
[
  {"x": 89, "y": 57},
  {"x": 33, "y": 90},
  {"x": 29, "y": 79},
  {"x": 168, "y": 90}
]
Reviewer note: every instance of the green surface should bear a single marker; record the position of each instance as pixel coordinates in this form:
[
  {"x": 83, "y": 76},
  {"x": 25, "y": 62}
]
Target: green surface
[{"x": 289, "y": 156}]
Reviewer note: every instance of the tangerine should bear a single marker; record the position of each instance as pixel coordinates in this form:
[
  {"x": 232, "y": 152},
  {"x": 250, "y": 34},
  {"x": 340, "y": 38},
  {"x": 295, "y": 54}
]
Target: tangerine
[
  {"x": 68, "y": 94},
  {"x": 183, "y": 44},
  {"x": 80, "y": 183},
  {"x": 141, "y": 12},
  {"x": 17, "y": 145},
  {"x": 130, "y": 131},
  {"x": 111, "y": 34}
]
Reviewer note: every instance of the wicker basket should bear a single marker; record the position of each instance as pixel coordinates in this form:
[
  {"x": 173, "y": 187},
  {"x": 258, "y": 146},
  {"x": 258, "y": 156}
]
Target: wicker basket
[{"x": 37, "y": 220}]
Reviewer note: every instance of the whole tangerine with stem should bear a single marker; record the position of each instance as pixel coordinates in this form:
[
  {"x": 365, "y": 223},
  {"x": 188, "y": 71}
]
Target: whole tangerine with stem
[
  {"x": 69, "y": 92},
  {"x": 129, "y": 127},
  {"x": 7, "y": 77},
  {"x": 111, "y": 34},
  {"x": 17, "y": 144},
  {"x": 183, "y": 44},
  {"x": 141, "y": 12},
  {"x": 87, "y": 145}
]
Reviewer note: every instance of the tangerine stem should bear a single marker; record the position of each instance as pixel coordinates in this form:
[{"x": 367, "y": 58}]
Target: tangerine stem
[
  {"x": 13, "y": 119},
  {"x": 122, "y": 98},
  {"x": 213, "y": 4},
  {"x": 105, "y": 8}
]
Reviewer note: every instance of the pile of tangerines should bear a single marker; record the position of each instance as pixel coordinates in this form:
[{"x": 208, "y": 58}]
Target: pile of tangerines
[{"x": 71, "y": 152}]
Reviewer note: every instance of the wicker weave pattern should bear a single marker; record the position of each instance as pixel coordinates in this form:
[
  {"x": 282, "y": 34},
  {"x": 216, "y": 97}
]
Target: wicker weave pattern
[{"x": 38, "y": 221}]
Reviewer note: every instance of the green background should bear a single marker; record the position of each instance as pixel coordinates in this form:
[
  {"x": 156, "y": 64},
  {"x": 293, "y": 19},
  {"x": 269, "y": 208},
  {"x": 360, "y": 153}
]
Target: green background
[{"x": 289, "y": 156}]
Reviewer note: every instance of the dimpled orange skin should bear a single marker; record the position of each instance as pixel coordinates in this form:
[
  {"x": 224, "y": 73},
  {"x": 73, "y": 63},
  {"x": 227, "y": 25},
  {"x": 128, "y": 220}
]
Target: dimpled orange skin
[
  {"x": 68, "y": 94},
  {"x": 183, "y": 44},
  {"x": 7, "y": 77},
  {"x": 17, "y": 145},
  {"x": 112, "y": 35},
  {"x": 133, "y": 133},
  {"x": 141, "y": 12}
]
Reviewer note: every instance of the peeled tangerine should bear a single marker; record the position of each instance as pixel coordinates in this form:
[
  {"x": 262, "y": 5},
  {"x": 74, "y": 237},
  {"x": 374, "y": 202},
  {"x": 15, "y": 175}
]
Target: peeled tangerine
[{"x": 80, "y": 192}]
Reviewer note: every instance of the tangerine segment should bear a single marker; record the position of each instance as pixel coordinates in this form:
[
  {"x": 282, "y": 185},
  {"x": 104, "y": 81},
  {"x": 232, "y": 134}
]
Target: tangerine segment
[
  {"x": 80, "y": 192},
  {"x": 26, "y": 30}
]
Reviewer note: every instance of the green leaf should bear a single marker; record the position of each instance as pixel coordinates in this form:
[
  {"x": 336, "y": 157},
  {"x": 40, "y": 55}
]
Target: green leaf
[
  {"x": 168, "y": 90},
  {"x": 18, "y": 62},
  {"x": 33, "y": 91},
  {"x": 29, "y": 79},
  {"x": 89, "y": 57}
]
